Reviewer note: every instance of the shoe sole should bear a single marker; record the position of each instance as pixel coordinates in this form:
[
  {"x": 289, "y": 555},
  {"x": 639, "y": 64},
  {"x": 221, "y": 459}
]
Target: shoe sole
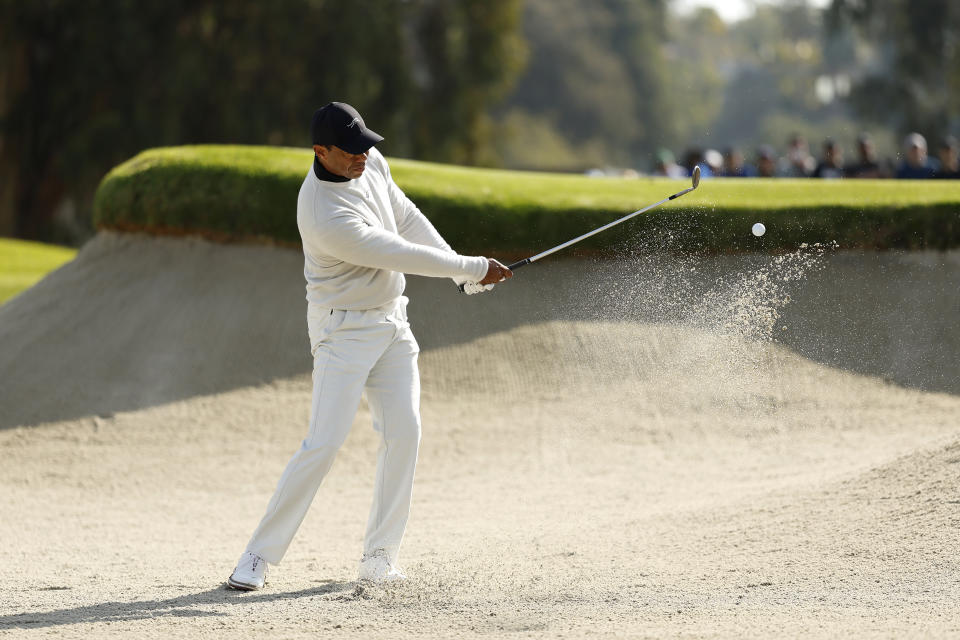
[
  {"x": 242, "y": 586},
  {"x": 381, "y": 581}
]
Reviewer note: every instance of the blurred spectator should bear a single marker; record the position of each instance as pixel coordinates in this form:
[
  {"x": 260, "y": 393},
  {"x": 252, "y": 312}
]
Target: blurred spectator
[
  {"x": 714, "y": 160},
  {"x": 831, "y": 166},
  {"x": 734, "y": 165},
  {"x": 694, "y": 158},
  {"x": 949, "y": 157},
  {"x": 766, "y": 162},
  {"x": 916, "y": 164},
  {"x": 798, "y": 163},
  {"x": 867, "y": 165},
  {"x": 665, "y": 165}
]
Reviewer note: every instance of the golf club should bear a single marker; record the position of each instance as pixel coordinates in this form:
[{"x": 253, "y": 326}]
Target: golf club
[{"x": 526, "y": 261}]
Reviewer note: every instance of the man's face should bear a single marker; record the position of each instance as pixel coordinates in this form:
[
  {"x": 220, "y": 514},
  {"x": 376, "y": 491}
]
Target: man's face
[
  {"x": 916, "y": 155},
  {"x": 948, "y": 157},
  {"x": 833, "y": 155},
  {"x": 766, "y": 166},
  {"x": 341, "y": 163}
]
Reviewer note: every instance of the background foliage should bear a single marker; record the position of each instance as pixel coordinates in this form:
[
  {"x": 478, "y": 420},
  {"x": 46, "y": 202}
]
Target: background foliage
[
  {"x": 86, "y": 85},
  {"x": 535, "y": 84},
  {"x": 593, "y": 91},
  {"x": 914, "y": 79}
]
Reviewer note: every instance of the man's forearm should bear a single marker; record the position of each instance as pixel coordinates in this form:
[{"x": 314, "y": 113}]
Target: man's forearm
[{"x": 358, "y": 244}]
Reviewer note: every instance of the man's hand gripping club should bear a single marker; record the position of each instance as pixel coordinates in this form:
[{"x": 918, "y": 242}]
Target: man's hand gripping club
[{"x": 496, "y": 272}]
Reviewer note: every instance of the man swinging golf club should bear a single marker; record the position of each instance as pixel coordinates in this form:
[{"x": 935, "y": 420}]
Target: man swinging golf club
[{"x": 360, "y": 235}]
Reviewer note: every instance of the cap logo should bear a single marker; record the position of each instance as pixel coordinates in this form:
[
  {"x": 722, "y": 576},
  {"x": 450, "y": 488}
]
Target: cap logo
[{"x": 353, "y": 122}]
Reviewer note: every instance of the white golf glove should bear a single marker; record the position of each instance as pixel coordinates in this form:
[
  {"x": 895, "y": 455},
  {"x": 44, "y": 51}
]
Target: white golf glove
[{"x": 471, "y": 288}]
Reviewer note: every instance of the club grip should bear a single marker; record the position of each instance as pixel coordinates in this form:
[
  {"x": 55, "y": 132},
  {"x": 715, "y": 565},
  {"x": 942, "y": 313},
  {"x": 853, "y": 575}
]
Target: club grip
[{"x": 512, "y": 267}]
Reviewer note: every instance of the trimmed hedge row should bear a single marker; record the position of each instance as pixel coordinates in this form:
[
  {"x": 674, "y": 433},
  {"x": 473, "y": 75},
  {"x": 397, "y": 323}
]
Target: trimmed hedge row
[{"x": 244, "y": 192}]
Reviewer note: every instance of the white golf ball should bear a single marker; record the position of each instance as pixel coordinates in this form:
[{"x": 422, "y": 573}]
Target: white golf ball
[{"x": 758, "y": 229}]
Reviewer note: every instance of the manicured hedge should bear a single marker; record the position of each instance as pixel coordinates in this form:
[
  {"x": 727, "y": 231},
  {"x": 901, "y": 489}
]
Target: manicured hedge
[{"x": 243, "y": 192}]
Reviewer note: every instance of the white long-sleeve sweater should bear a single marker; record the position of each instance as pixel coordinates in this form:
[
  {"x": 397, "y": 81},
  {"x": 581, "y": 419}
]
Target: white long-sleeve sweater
[{"x": 360, "y": 237}]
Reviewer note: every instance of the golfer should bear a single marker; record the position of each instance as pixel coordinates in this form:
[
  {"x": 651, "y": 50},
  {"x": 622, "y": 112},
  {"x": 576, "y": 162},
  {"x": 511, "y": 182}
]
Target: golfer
[{"x": 360, "y": 234}]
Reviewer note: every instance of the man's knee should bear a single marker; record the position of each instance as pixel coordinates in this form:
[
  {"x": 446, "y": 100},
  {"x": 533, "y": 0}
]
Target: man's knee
[
  {"x": 404, "y": 428},
  {"x": 320, "y": 443}
]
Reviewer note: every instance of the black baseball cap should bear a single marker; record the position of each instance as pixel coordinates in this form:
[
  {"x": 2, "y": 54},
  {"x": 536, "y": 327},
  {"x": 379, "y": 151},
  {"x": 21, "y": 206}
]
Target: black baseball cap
[{"x": 339, "y": 124}]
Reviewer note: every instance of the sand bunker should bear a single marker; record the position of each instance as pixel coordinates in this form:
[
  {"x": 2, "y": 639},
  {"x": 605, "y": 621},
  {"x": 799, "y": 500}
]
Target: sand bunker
[{"x": 660, "y": 446}]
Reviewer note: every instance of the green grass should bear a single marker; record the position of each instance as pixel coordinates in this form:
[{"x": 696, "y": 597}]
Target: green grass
[
  {"x": 23, "y": 264},
  {"x": 240, "y": 192}
]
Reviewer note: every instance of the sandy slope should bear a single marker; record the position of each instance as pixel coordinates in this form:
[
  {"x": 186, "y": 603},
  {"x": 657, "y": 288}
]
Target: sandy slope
[{"x": 639, "y": 462}]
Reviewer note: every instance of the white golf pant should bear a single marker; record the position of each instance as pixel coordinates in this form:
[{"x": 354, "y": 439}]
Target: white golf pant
[{"x": 352, "y": 350}]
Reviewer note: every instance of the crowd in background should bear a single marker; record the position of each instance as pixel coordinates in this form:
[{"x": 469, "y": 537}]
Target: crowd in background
[{"x": 798, "y": 162}]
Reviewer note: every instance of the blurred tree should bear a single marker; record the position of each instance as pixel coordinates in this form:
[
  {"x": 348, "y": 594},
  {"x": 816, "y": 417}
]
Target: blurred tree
[
  {"x": 84, "y": 85},
  {"x": 914, "y": 83},
  {"x": 610, "y": 81},
  {"x": 776, "y": 59},
  {"x": 762, "y": 79},
  {"x": 595, "y": 79},
  {"x": 470, "y": 52},
  {"x": 698, "y": 53}
]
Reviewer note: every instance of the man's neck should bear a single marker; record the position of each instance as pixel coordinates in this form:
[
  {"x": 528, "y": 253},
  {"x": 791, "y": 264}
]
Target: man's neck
[{"x": 323, "y": 174}]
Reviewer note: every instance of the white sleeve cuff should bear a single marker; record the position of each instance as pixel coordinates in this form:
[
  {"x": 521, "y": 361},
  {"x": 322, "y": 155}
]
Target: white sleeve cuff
[{"x": 479, "y": 265}]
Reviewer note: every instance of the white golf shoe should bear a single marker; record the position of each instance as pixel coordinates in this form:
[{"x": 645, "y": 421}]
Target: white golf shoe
[
  {"x": 250, "y": 574},
  {"x": 376, "y": 567}
]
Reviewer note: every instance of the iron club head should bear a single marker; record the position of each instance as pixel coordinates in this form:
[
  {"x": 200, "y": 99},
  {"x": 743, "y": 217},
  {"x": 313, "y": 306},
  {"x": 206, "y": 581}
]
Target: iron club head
[{"x": 696, "y": 176}]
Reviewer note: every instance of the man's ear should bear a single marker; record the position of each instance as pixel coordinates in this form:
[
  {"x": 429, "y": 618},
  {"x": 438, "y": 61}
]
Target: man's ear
[{"x": 320, "y": 150}]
